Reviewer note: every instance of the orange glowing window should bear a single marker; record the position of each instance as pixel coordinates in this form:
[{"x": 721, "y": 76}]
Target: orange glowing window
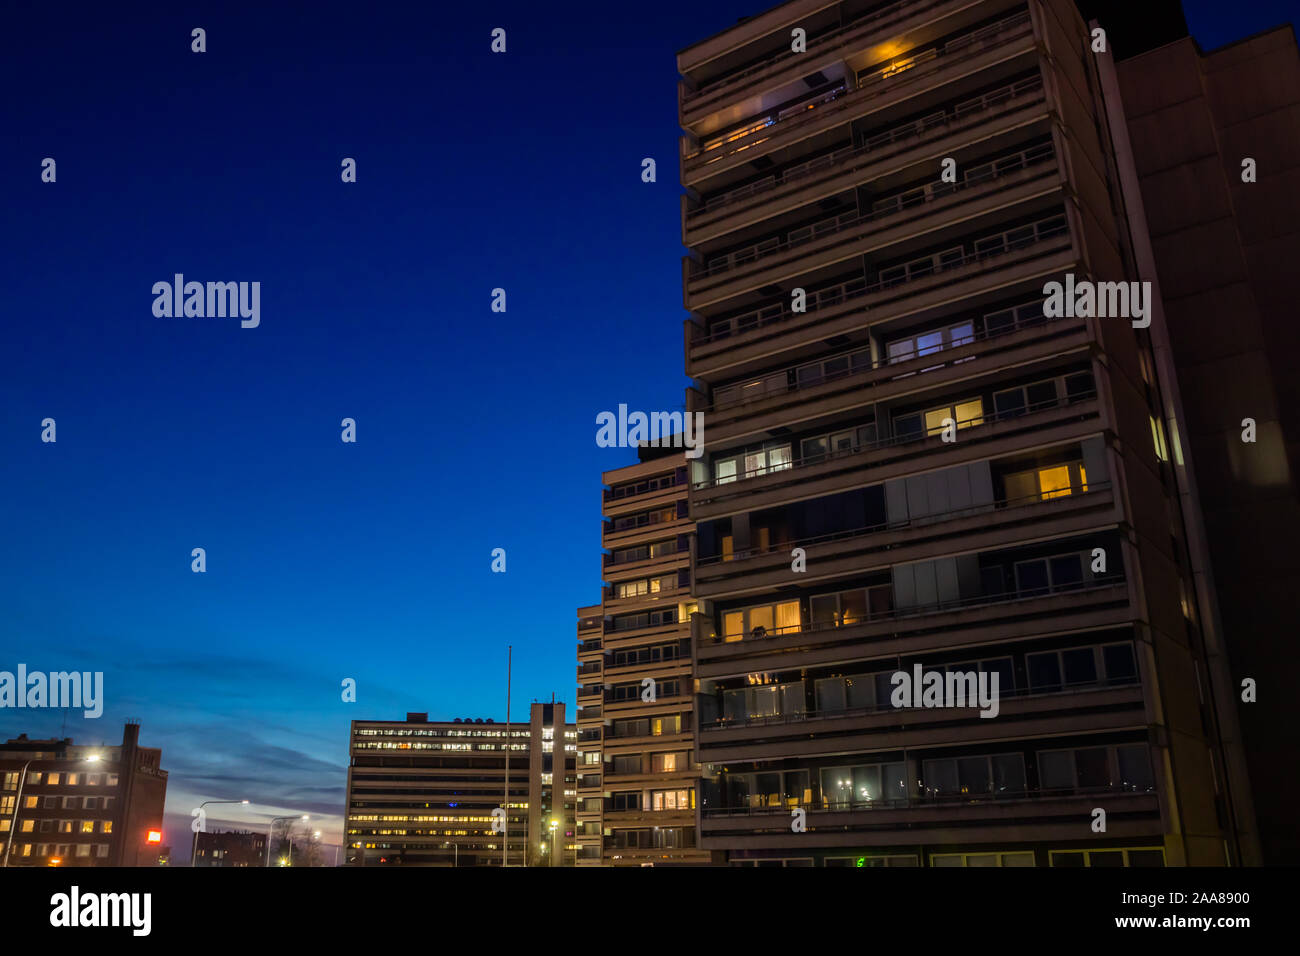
[{"x": 1054, "y": 482}]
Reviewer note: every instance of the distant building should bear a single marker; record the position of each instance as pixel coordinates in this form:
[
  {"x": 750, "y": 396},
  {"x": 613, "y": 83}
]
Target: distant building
[
  {"x": 422, "y": 793},
  {"x": 231, "y": 848},
  {"x": 637, "y": 773},
  {"x": 66, "y": 804}
]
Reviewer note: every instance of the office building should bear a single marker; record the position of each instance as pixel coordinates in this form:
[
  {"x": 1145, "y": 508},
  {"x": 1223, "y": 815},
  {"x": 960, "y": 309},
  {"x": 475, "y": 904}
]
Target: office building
[{"x": 422, "y": 792}]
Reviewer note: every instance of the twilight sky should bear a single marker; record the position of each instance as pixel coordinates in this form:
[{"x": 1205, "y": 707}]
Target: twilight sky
[{"x": 475, "y": 430}]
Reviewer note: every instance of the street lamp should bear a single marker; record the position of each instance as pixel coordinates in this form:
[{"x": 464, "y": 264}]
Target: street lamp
[
  {"x": 455, "y": 853},
  {"x": 18, "y": 800},
  {"x": 555, "y": 854},
  {"x": 271, "y": 829},
  {"x": 194, "y": 849}
]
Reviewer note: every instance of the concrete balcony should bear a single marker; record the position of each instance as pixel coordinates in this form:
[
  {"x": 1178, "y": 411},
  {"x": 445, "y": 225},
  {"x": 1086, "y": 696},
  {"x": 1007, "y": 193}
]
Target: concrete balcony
[
  {"x": 872, "y": 36},
  {"x": 997, "y": 115},
  {"x": 970, "y": 622},
  {"x": 636, "y": 707},
  {"x": 654, "y": 530},
  {"x": 761, "y": 339},
  {"x": 1060, "y": 422},
  {"x": 667, "y": 597},
  {"x": 649, "y": 818},
  {"x": 646, "y": 567},
  {"x": 650, "y": 634},
  {"x": 1095, "y": 709},
  {"x": 653, "y": 857},
  {"x": 972, "y": 365},
  {"x": 630, "y": 504},
  {"x": 659, "y": 670},
  {"x": 1009, "y": 42},
  {"x": 828, "y": 245},
  {"x": 974, "y": 529},
  {"x": 645, "y": 743},
  {"x": 1028, "y": 817}
]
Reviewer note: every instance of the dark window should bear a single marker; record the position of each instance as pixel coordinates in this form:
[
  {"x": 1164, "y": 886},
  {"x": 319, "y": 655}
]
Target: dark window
[
  {"x": 1044, "y": 672},
  {"x": 1080, "y": 666},
  {"x": 908, "y": 426},
  {"x": 1009, "y": 403},
  {"x": 1119, "y": 663},
  {"x": 1042, "y": 394},
  {"x": 1067, "y": 571}
]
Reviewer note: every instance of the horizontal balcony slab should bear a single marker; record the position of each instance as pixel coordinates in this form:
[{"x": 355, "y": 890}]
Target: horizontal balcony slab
[
  {"x": 797, "y": 336},
  {"x": 631, "y": 570},
  {"x": 630, "y": 504},
  {"x": 1023, "y": 192},
  {"x": 870, "y": 35},
  {"x": 659, "y": 670},
  {"x": 645, "y": 534},
  {"x": 971, "y": 367},
  {"x": 641, "y": 635},
  {"x": 639, "y": 708},
  {"x": 1014, "y": 46},
  {"x": 978, "y": 625},
  {"x": 924, "y": 729},
  {"x": 849, "y": 166},
  {"x": 648, "y": 818},
  {"x": 991, "y": 530},
  {"x": 668, "y": 597}
]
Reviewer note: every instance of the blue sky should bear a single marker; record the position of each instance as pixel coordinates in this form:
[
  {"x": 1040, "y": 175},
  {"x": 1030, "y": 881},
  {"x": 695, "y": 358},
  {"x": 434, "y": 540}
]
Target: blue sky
[{"x": 475, "y": 429}]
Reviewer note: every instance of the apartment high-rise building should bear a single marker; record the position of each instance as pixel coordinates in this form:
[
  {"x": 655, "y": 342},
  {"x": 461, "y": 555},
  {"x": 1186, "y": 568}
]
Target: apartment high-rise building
[
  {"x": 637, "y": 773},
  {"x": 66, "y": 804},
  {"x": 422, "y": 792},
  {"x": 1223, "y": 239},
  {"x": 919, "y": 464}
]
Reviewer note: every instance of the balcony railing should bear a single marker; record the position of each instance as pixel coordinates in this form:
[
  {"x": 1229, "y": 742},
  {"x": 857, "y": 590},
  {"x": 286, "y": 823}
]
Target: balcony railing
[
  {"x": 1022, "y": 693},
  {"x": 762, "y": 130},
  {"x": 926, "y": 800},
  {"x": 620, "y": 492},
  {"x": 611, "y": 560},
  {"x": 878, "y": 17},
  {"x": 869, "y": 147},
  {"x": 923, "y": 195},
  {"x": 855, "y": 289},
  {"x": 934, "y": 607},
  {"x": 893, "y": 441},
  {"x": 636, "y": 522}
]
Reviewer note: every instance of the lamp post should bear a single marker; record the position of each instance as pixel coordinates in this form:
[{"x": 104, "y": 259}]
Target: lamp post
[
  {"x": 455, "y": 853},
  {"x": 271, "y": 829},
  {"x": 194, "y": 849},
  {"x": 555, "y": 828},
  {"x": 13, "y": 820}
]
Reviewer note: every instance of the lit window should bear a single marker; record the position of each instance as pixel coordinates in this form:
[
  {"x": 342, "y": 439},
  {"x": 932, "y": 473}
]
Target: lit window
[
  {"x": 965, "y": 414},
  {"x": 1158, "y": 440},
  {"x": 1054, "y": 482}
]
